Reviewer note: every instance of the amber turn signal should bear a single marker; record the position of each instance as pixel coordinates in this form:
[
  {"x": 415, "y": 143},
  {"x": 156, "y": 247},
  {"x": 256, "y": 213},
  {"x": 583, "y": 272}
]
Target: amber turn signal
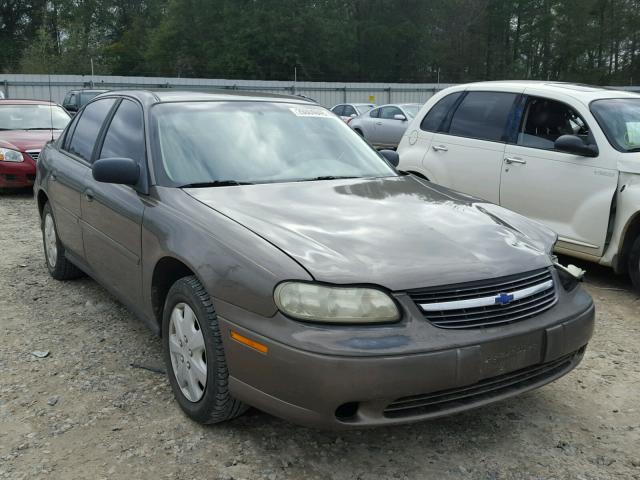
[{"x": 248, "y": 342}]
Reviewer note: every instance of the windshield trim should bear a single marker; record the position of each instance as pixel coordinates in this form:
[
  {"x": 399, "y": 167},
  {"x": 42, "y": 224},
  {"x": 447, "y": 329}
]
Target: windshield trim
[{"x": 604, "y": 130}]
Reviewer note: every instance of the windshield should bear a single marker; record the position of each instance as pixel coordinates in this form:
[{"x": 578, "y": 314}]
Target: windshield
[
  {"x": 411, "y": 110},
  {"x": 257, "y": 142},
  {"x": 619, "y": 118},
  {"x": 32, "y": 117}
]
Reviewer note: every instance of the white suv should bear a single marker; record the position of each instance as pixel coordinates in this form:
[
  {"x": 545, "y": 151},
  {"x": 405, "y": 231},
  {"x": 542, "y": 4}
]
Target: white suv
[{"x": 565, "y": 155}]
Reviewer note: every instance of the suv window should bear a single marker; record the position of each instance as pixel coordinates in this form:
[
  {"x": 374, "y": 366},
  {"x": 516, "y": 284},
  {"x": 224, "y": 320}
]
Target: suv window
[
  {"x": 545, "y": 120},
  {"x": 349, "y": 110},
  {"x": 88, "y": 127},
  {"x": 125, "y": 136},
  {"x": 338, "y": 109},
  {"x": 434, "y": 120},
  {"x": 388, "y": 112},
  {"x": 483, "y": 115}
]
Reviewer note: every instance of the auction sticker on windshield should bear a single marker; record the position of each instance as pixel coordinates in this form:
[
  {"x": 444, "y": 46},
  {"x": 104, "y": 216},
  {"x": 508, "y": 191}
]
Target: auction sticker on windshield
[{"x": 311, "y": 112}]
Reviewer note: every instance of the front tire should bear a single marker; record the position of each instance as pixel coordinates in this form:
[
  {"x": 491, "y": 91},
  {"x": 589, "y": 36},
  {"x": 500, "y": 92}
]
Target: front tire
[
  {"x": 58, "y": 265},
  {"x": 194, "y": 355},
  {"x": 634, "y": 264}
]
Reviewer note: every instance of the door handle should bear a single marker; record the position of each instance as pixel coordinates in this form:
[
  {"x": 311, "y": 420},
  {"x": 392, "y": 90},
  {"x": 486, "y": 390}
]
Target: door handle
[
  {"x": 511, "y": 160},
  {"x": 89, "y": 195},
  {"x": 440, "y": 148},
  {"x": 378, "y": 123}
]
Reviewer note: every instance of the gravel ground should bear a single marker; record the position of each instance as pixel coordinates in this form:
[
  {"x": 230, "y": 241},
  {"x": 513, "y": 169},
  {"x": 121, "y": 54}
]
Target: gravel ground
[{"x": 87, "y": 410}]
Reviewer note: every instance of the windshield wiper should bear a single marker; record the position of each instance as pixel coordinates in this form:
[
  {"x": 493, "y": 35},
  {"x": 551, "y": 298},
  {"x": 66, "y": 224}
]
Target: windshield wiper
[
  {"x": 214, "y": 183},
  {"x": 326, "y": 177}
]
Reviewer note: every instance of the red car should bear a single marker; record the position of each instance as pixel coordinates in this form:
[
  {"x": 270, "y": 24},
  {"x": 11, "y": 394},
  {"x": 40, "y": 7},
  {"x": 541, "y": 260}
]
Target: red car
[{"x": 25, "y": 127}]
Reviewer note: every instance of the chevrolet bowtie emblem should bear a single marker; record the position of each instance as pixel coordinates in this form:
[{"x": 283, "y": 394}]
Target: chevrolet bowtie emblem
[{"x": 504, "y": 299}]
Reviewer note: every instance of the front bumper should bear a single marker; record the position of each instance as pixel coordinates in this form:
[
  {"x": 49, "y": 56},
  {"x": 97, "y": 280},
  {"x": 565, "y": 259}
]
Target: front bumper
[
  {"x": 347, "y": 391},
  {"x": 17, "y": 174}
]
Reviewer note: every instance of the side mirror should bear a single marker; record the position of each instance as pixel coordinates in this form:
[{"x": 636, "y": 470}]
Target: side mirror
[
  {"x": 399, "y": 116},
  {"x": 124, "y": 171},
  {"x": 391, "y": 156},
  {"x": 71, "y": 107},
  {"x": 574, "y": 144},
  {"x": 353, "y": 115}
]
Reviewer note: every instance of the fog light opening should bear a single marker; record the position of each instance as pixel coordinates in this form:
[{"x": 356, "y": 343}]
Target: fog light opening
[{"x": 347, "y": 411}]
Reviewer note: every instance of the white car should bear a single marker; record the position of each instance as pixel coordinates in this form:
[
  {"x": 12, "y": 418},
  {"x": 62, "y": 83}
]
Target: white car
[{"x": 563, "y": 154}]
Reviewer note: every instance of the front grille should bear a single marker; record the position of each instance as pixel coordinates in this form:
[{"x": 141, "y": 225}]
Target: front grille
[
  {"x": 34, "y": 154},
  {"x": 487, "y": 303},
  {"x": 485, "y": 389}
]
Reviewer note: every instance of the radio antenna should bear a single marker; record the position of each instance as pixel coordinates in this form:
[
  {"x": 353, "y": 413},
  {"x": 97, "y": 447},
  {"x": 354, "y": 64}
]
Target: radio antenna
[{"x": 50, "y": 102}]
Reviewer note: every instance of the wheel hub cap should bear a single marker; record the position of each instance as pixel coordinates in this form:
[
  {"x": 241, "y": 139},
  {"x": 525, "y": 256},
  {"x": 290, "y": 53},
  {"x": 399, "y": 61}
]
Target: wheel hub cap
[
  {"x": 188, "y": 354},
  {"x": 50, "y": 243}
]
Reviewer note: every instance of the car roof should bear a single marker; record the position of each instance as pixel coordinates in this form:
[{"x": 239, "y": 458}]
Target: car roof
[
  {"x": 581, "y": 92},
  {"x": 16, "y": 101},
  {"x": 169, "y": 95}
]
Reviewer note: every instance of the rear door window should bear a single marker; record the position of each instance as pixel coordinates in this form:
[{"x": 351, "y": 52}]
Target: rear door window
[
  {"x": 434, "y": 120},
  {"x": 483, "y": 115},
  {"x": 88, "y": 127}
]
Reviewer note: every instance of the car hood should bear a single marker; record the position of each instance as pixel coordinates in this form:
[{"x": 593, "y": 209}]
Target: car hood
[
  {"x": 397, "y": 232},
  {"x": 26, "y": 139}
]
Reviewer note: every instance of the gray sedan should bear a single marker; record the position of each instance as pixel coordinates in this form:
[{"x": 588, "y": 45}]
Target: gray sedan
[
  {"x": 287, "y": 265},
  {"x": 384, "y": 126}
]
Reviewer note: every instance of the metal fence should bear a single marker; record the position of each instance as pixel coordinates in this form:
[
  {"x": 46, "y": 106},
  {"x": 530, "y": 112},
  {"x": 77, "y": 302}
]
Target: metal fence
[{"x": 43, "y": 87}]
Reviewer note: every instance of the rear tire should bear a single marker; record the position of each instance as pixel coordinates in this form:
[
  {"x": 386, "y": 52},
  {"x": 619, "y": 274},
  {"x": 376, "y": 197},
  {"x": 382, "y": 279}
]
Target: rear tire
[
  {"x": 634, "y": 264},
  {"x": 58, "y": 265},
  {"x": 192, "y": 345}
]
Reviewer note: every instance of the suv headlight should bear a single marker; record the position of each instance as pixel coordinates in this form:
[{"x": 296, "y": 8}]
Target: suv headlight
[
  {"x": 8, "y": 155},
  {"x": 327, "y": 304}
]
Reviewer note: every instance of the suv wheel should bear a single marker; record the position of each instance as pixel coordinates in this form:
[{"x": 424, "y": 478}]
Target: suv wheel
[
  {"x": 634, "y": 264},
  {"x": 194, "y": 355},
  {"x": 58, "y": 265}
]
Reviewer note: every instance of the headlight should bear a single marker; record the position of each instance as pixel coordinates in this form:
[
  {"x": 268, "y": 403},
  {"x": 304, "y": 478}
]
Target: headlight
[
  {"x": 8, "y": 155},
  {"x": 320, "y": 303}
]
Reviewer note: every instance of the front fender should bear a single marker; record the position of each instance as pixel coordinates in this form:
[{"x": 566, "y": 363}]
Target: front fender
[{"x": 233, "y": 263}]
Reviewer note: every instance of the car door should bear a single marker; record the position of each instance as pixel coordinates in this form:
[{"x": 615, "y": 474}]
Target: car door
[
  {"x": 112, "y": 214},
  {"x": 69, "y": 169},
  {"x": 570, "y": 193},
  {"x": 389, "y": 130},
  {"x": 416, "y": 144},
  {"x": 467, "y": 156},
  {"x": 367, "y": 124}
]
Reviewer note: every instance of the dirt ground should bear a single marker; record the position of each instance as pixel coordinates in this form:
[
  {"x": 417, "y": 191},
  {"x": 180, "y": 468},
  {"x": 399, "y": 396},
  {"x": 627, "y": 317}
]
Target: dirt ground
[{"x": 84, "y": 411}]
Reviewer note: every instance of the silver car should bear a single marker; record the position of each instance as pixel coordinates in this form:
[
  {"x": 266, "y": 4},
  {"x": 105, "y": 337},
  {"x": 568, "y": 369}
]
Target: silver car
[
  {"x": 349, "y": 111},
  {"x": 384, "y": 126}
]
